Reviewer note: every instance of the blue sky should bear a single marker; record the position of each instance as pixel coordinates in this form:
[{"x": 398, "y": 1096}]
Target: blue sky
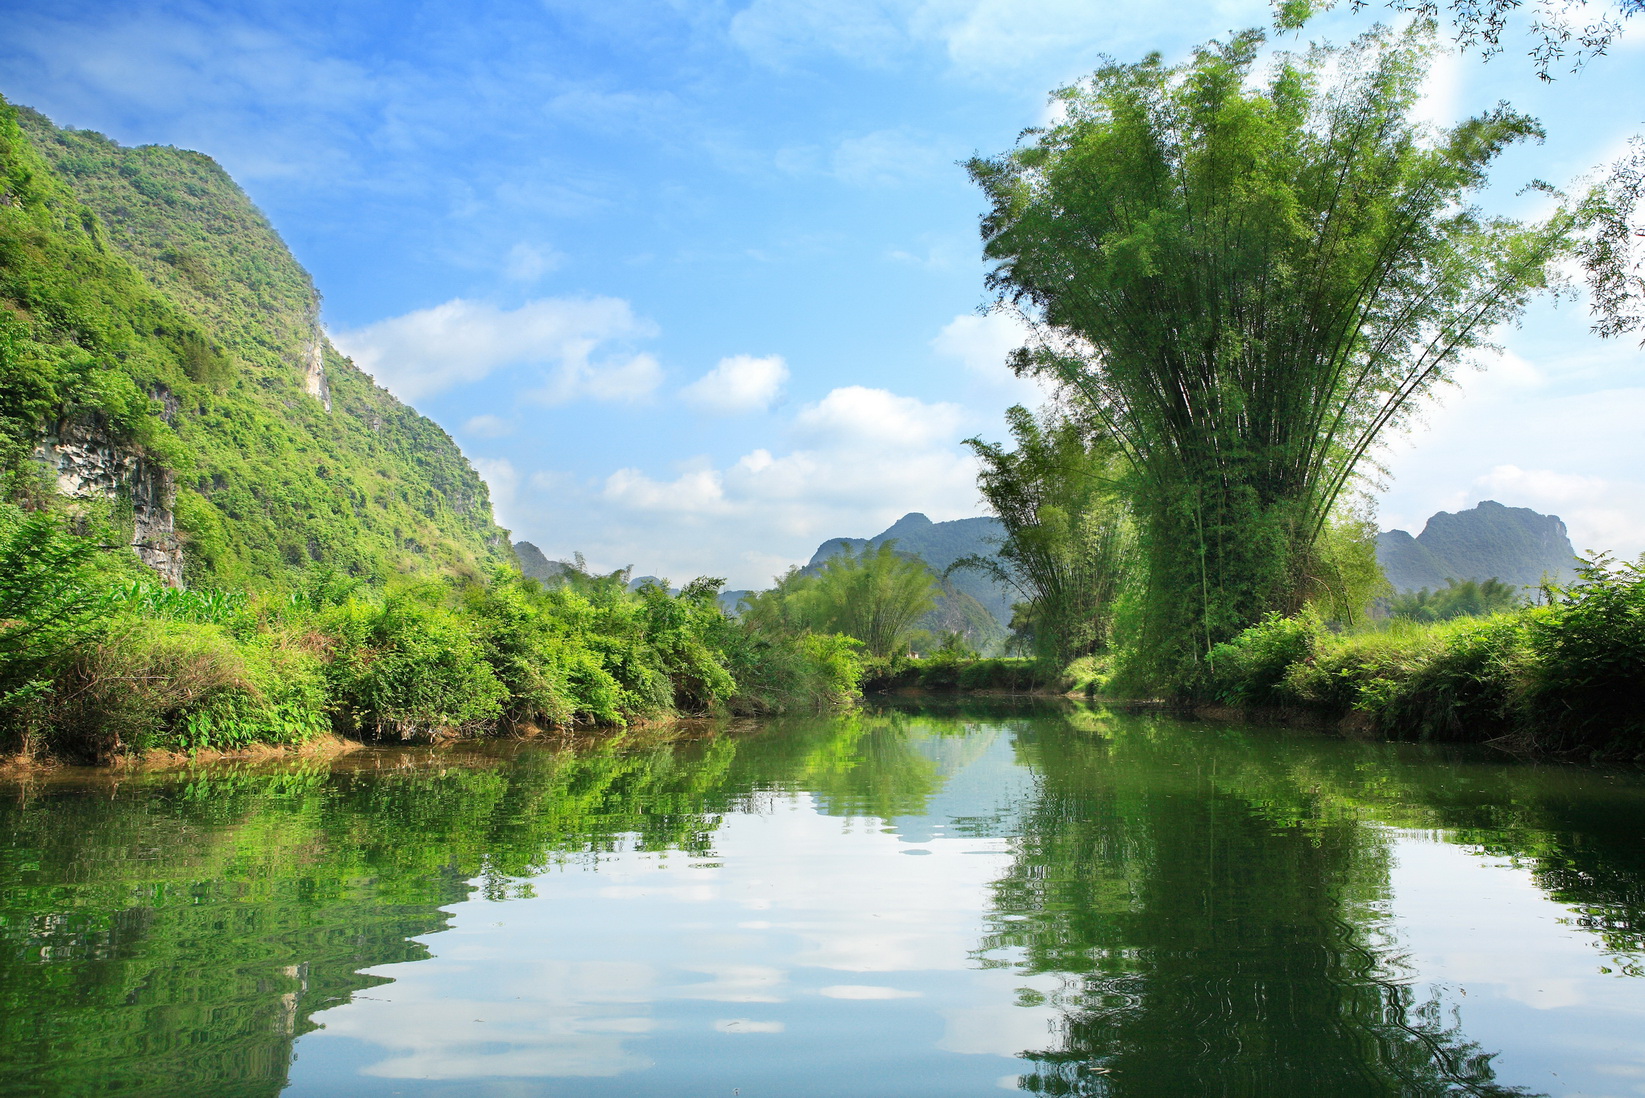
[{"x": 695, "y": 285}]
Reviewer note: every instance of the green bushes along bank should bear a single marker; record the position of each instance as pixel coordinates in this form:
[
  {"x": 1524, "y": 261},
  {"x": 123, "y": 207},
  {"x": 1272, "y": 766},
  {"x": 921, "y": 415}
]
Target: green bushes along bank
[
  {"x": 1568, "y": 676},
  {"x": 97, "y": 658}
]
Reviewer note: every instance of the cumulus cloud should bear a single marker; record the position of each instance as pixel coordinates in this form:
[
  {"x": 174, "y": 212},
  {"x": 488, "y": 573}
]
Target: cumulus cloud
[
  {"x": 981, "y": 343},
  {"x": 1601, "y": 513},
  {"x": 701, "y": 492},
  {"x": 504, "y": 481},
  {"x": 855, "y": 416},
  {"x": 461, "y": 342},
  {"x": 1545, "y": 426},
  {"x": 738, "y": 385},
  {"x": 861, "y": 458}
]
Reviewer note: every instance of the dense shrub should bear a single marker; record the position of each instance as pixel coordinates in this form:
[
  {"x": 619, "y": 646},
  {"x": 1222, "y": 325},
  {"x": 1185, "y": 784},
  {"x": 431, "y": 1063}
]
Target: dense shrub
[
  {"x": 1587, "y": 680},
  {"x": 1570, "y": 675},
  {"x": 1252, "y": 668},
  {"x": 98, "y": 658},
  {"x": 407, "y": 665}
]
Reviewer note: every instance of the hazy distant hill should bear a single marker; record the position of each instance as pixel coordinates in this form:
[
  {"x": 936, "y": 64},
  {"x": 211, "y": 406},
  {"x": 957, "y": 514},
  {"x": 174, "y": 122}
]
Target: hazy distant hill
[
  {"x": 1513, "y": 544},
  {"x": 534, "y": 565}
]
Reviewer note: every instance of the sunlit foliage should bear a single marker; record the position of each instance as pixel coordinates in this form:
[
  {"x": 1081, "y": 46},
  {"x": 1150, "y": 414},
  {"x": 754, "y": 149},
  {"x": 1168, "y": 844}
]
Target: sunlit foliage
[{"x": 1247, "y": 282}]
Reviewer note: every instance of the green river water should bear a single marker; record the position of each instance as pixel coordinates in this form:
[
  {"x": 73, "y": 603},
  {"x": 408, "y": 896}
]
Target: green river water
[{"x": 967, "y": 900}]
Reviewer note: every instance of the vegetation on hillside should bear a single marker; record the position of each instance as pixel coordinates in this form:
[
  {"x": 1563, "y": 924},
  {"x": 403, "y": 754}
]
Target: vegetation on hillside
[
  {"x": 342, "y": 570},
  {"x": 874, "y": 597},
  {"x": 146, "y": 302}
]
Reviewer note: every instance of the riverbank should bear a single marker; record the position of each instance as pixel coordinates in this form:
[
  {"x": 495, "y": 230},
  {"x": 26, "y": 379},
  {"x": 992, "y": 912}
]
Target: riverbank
[
  {"x": 1564, "y": 678},
  {"x": 100, "y": 661}
]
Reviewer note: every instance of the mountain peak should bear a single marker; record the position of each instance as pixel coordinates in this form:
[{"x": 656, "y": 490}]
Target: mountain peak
[{"x": 1490, "y": 540}]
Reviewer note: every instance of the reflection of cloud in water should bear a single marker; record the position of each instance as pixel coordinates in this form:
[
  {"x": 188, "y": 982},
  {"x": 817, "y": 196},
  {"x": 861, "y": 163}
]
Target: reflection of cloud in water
[
  {"x": 550, "y": 1018},
  {"x": 997, "y": 1024},
  {"x": 630, "y": 956},
  {"x": 734, "y": 983},
  {"x": 691, "y": 894},
  {"x": 865, "y": 991},
  {"x": 1481, "y": 937},
  {"x": 747, "y": 1025}
]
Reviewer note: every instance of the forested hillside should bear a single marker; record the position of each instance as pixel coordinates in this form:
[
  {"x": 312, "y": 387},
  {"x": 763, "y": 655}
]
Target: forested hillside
[
  {"x": 319, "y": 557},
  {"x": 162, "y": 358},
  {"x": 1513, "y": 544}
]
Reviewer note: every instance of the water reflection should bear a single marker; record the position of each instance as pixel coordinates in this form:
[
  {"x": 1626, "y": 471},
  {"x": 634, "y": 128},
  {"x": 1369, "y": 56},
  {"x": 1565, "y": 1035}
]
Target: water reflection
[{"x": 896, "y": 902}]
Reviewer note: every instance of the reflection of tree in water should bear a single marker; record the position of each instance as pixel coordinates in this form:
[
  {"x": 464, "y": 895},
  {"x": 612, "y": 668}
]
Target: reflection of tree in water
[
  {"x": 1214, "y": 940},
  {"x": 1211, "y": 895},
  {"x": 178, "y": 933},
  {"x": 178, "y": 936}
]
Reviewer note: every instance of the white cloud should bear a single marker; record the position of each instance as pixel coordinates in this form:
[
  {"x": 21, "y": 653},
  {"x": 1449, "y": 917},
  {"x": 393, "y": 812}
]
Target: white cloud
[
  {"x": 529, "y": 262},
  {"x": 1551, "y": 424},
  {"x": 488, "y": 426},
  {"x": 461, "y": 342},
  {"x": 701, "y": 492},
  {"x": 738, "y": 385},
  {"x": 1601, "y": 514},
  {"x": 859, "y": 416},
  {"x": 862, "y": 459},
  {"x": 981, "y": 343},
  {"x": 266, "y": 103},
  {"x": 504, "y": 481},
  {"x": 618, "y": 378},
  {"x": 978, "y": 37}
]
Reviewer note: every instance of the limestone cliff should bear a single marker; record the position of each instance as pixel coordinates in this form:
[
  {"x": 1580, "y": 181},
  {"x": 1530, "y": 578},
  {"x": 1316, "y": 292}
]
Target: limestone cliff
[{"x": 162, "y": 354}]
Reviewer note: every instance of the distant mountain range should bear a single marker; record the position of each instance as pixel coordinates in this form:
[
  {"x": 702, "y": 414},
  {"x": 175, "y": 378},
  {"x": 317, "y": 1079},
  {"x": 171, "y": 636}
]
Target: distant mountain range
[{"x": 1513, "y": 544}]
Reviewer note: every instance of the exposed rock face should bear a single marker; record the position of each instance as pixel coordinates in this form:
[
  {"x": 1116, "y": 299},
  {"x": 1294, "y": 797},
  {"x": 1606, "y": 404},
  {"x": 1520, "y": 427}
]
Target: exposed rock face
[
  {"x": 89, "y": 465},
  {"x": 314, "y": 369}
]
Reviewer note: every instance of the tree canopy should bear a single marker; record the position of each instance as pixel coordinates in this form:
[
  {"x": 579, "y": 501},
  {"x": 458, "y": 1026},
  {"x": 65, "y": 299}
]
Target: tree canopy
[
  {"x": 1246, "y": 284},
  {"x": 1066, "y": 530},
  {"x": 874, "y": 596}
]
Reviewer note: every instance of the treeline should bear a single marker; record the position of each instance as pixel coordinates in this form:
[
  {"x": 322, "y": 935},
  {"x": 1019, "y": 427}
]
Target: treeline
[{"x": 98, "y": 658}]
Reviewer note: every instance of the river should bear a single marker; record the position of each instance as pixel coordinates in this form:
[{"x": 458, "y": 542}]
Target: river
[{"x": 954, "y": 900}]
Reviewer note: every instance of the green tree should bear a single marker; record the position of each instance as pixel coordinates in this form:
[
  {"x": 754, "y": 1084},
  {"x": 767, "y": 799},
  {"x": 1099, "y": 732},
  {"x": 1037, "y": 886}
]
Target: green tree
[
  {"x": 1066, "y": 530},
  {"x": 874, "y": 596},
  {"x": 1247, "y": 284},
  {"x": 1470, "y": 598}
]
